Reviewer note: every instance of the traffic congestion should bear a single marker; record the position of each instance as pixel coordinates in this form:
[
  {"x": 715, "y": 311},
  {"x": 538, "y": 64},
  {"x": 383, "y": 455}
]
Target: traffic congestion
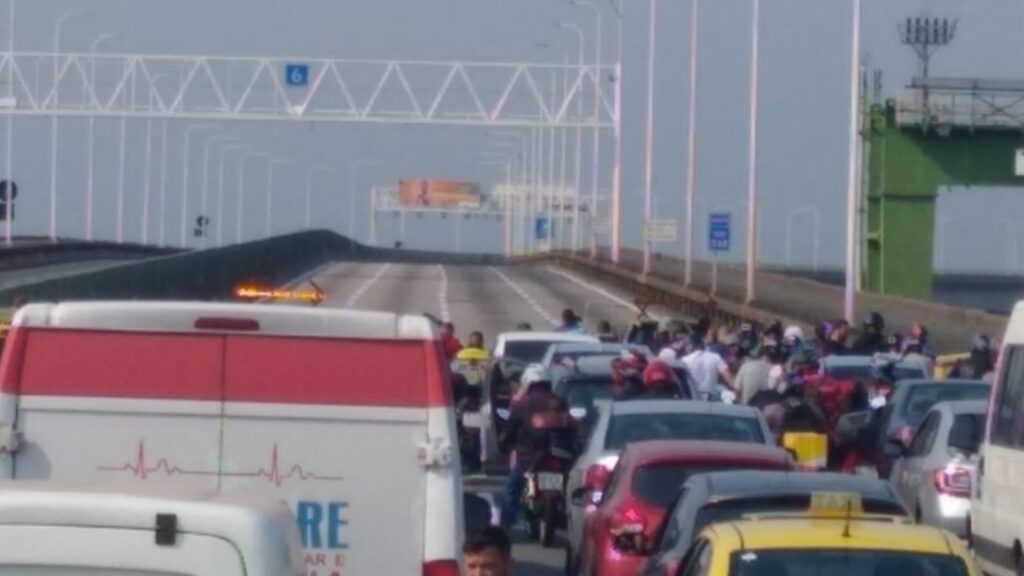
[{"x": 673, "y": 446}]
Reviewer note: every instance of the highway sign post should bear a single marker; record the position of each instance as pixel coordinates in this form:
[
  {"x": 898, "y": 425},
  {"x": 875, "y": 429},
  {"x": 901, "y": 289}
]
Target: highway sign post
[
  {"x": 719, "y": 240},
  {"x": 661, "y": 231},
  {"x": 296, "y": 75}
]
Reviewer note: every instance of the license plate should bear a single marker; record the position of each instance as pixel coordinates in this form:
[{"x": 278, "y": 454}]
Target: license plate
[
  {"x": 549, "y": 482},
  {"x": 471, "y": 420}
]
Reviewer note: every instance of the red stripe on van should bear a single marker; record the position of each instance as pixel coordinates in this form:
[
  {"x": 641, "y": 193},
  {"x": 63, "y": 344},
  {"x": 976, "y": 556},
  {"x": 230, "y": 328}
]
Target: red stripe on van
[{"x": 268, "y": 369}]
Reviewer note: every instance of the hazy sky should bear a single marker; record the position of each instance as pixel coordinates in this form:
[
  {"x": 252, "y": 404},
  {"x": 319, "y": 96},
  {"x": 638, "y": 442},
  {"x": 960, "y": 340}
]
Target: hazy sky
[{"x": 805, "y": 59}]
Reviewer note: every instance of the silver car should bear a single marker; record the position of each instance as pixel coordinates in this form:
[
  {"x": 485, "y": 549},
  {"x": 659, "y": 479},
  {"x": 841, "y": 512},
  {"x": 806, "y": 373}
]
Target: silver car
[
  {"x": 621, "y": 423},
  {"x": 938, "y": 469}
]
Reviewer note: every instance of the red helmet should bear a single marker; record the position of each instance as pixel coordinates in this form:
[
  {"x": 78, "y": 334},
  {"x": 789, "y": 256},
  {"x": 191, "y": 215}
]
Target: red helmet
[{"x": 658, "y": 373}]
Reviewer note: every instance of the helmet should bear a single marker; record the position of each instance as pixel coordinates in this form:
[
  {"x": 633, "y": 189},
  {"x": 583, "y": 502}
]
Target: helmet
[
  {"x": 874, "y": 320},
  {"x": 981, "y": 343},
  {"x": 658, "y": 373}
]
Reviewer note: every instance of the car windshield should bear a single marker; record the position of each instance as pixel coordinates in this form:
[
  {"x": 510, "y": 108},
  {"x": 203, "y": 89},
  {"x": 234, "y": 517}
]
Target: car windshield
[
  {"x": 966, "y": 433},
  {"x": 737, "y": 508},
  {"x": 843, "y": 562},
  {"x": 629, "y": 428},
  {"x": 598, "y": 387},
  {"x": 659, "y": 484},
  {"x": 528, "y": 351},
  {"x": 922, "y": 397}
]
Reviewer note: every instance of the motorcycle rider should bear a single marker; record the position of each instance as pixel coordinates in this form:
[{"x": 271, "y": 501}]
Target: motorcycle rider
[
  {"x": 571, "y": 322},
  {"x": 449, "y": 341},
  {"x": 872, "y": 337},
  {"x": 538, "y": 423},
  {"x": 660, "y": 383}
]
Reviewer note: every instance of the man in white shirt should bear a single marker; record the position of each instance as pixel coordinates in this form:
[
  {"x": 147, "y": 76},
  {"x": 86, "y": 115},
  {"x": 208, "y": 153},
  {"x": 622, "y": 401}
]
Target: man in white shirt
[{"x": 707, "y": 369}]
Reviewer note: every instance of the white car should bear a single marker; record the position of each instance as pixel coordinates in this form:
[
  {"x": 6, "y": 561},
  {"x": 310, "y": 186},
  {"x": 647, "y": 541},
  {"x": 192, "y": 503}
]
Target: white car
[
  {"x": 63, "y": 529},
  {"x": 345, "y": 415},
  {"x": 632, "y": 421},
  {"x": 530, "y": 347}
]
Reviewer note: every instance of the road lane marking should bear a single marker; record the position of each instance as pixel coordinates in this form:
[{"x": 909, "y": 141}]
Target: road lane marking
[
  {"x": 525, "y": 296},
  {"x": 442, "y": 296},
  {"x": 366, "y": 286},
  {"x": 598, "y": 290}
]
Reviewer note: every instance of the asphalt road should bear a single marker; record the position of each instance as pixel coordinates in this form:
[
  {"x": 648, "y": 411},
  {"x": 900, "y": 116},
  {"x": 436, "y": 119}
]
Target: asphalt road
[{"x": 491, "y": 300}]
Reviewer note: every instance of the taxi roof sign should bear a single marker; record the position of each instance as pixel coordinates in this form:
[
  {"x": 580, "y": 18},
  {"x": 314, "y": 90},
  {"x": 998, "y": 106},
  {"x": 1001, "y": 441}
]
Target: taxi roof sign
[{"x": 836, "y": 504}]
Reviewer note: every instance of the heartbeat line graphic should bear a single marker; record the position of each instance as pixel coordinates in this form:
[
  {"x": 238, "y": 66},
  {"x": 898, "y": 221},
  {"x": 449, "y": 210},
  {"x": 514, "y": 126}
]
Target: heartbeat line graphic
[{"x": 274, "y": 474}]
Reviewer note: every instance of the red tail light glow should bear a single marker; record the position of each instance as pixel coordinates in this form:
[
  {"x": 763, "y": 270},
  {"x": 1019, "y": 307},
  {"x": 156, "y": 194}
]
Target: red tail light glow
[
  {"x": 627, "y": 530},
  {"x": 953, "y": 480},
  {"x": 441, "y": 568}
]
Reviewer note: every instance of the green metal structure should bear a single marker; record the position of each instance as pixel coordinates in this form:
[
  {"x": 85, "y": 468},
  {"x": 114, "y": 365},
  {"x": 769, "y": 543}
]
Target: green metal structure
[{"x": 908, "y": 164}]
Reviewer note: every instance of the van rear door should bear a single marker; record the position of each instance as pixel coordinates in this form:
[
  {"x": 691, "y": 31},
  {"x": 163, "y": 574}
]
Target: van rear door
[
  {"x": 46, "y": 550},
  {"x": 101, "y": 406},
  {"x": 334, "y": 426}
]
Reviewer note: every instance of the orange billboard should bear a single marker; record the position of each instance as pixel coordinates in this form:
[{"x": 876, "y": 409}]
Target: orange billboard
[{"x": 438, "y": 193}]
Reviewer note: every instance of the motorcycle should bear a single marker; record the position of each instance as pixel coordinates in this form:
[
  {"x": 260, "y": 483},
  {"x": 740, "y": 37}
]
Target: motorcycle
[
  {"x": 544, "y": 496},
  {"x": 468, "y": 374}
]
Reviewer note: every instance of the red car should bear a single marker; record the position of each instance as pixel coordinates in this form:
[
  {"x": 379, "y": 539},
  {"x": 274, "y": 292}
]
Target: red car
[{"x": 618, "y": 535}]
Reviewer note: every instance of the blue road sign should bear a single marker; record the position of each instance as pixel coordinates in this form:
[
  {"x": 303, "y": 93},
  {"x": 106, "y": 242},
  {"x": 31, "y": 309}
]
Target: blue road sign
[
  {"x": 542, "y": 229},
  {"x": 296, "y": 74},
  {"x": 719, "y": 232}
]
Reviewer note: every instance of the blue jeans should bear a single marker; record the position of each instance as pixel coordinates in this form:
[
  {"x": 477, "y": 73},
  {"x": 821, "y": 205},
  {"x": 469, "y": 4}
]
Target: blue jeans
[{"x": 512, "y": 493}]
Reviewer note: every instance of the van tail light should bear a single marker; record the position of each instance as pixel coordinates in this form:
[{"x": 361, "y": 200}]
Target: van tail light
[
  {"x": 233, "y": 324},
  {"x": 627, "y": 531},
  {"x": 441, "y": 568},
  {"x": 953, "y": 480}
]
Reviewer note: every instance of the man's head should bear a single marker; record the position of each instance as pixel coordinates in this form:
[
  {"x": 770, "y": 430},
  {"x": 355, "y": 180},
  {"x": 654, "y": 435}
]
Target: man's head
[
  {"x": 840, "y": 331},
  {"x": 569, "y": 317},
  {"x": 447, "y": 329},
  {"x": 488, "y": 553},
  {"x": 476, "y": 340}
]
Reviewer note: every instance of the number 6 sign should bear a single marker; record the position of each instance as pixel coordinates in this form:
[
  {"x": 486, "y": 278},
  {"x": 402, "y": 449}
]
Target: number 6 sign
[{"x": 296, "y": 74}]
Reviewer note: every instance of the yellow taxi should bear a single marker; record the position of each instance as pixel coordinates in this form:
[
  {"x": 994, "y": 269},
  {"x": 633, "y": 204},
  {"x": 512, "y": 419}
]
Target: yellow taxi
[{"x": 834, "y": 539}]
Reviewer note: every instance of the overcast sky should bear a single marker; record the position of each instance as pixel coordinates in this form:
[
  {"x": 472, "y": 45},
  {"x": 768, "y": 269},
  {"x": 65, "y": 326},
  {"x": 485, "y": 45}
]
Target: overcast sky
[{"x": 805, "y": 59}]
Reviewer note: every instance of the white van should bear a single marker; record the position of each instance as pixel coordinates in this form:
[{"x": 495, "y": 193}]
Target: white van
[
  {"x": 996, "y": 522},
  {"x": 345, "y": 415},
  {"x": 58, "y": 529}
]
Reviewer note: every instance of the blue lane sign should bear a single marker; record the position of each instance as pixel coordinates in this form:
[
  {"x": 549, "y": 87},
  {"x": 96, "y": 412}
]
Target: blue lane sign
[
  {"x": 719, "y": 232},
  {"x": 542, "y": 229},
  {"x": 296, "y": 74}
]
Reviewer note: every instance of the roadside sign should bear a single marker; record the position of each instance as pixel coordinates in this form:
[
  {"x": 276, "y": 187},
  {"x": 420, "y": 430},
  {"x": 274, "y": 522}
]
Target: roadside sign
[
  {"x": 719, "y": 232},
  {"x": 296, "y": 74},
  {"x": 661, "y": 231},
  {"x": 1018, "y": 164}
]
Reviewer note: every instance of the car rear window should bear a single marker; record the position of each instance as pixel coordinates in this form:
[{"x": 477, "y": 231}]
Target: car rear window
[
  {"x": 737, "y": 508},
  {"x": 814, "y": 562},
  {"x": 629, "y": 428},
  {"x": 922, "y": 397},
  {"x": 527, "y": 350},
  {"x": 598, "y": 387},
  {"x": 864, "y": 372},
  {"x": 966, "y": 433},
  {"x": 659, "y": 484}
]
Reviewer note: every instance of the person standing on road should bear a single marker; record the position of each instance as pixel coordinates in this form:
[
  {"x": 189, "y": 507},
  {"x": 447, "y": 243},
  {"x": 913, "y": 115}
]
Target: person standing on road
[
  {"x": 708, "y": 369},
  {"x": 571, "y": 322},
  {"x": 754, "y": 375},
  {"x": 449, "y": 341},
  {"x": 488, "y": 553}
]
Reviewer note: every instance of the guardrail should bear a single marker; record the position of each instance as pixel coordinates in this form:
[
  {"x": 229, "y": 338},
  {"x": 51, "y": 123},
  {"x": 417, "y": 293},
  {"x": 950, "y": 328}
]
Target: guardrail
[
  {"x": 44, "y": 253},
  {"x": 215, "y": 273}
]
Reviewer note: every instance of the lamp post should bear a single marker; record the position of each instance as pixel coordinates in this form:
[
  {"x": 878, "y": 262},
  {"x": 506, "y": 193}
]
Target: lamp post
[
  {"x": 752, "y": 154},
  {"x": 90, "y": 180},
  {"x": 353, "y": 179},
  {"x": 852, "y": 191},
  {"x": 9, "y": 169},
  {"x": 649, "y": 154},
  {"x": 595, "y": 168},
  {"x": 579, "y": 142},
  {"x": 220, "y": 190},
  {"x": 185, "y": 177},
  {"x": 207, "y": 149},
  {"x": 241, "y": 193},
  {"x": 691, "y": 146},
  {"x": 54, "y": 131},
  {"x": 521, "y": 193}
]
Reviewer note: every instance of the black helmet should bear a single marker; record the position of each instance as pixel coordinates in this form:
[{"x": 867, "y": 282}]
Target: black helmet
[{"x": 874, "y": 320}]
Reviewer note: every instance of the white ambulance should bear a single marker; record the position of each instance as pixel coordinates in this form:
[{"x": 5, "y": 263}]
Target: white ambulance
[
  {"x": 59, "y": 529},
  {"x": 346, "y": 415}
]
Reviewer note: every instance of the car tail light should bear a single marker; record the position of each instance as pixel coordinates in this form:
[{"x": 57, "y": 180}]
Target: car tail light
[
  {"x": 596, "y": 480},
  {"x": 953, "y": 481},
  {"x": 235, "y": 324},
  {"x": 627, "y": 530},
  {"x": 441, "y": 568}
]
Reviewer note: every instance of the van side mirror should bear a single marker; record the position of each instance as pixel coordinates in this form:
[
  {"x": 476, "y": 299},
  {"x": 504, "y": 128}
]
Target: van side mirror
[{"x": 895, "y": 448}]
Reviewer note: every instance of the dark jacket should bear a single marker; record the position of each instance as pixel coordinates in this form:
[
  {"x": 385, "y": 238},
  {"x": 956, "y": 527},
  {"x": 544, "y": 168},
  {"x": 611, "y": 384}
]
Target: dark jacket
[
  {"x": 869, "y": 344},
  {"x": 538, "y": 422}
]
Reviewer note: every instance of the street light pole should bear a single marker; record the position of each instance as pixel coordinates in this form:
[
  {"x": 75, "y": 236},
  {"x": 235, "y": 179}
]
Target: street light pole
[
  {"x": 616, "y": 209},
  {"x": 752, "y": 156},
  {"x": 579, "y": 142},
  {"x": 241, "y": 193},
  {"x": 649, "y": 155},
  {"x": 9, "y": 200},
  {"x": 353, "y": 177},
  {"x": 185, "y": 178},
  {"x": 595, "y": 168},
  {"x": 207, "y": 148},
  {"x": 852, "y": 191},
  {"x": 220, "y": 190},
  {"x": 90, "y": 180},
  {"x": 54, "y": 131},
  {"x": 163, "y": 181},
  {"x": 691, "y": 147}
]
